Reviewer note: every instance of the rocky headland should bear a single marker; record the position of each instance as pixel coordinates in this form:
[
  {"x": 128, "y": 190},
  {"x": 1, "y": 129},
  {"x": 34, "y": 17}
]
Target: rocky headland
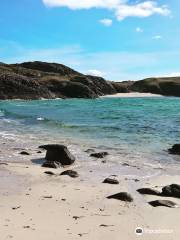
[{"x": 37, "y": 80}]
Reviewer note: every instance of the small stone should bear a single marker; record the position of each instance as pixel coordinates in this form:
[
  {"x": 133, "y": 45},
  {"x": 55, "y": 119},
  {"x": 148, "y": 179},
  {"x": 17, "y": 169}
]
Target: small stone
[
  {"x": 123, "y": 196},
  {"x": 111, "y": 181},
  {"x": 24, "y": 153},
  {"x": 164, "y": 203},
  {"x": 99, "y": 155},
  {"x": 70, "y": 173},
  {"x": 49, "y": 173},
  {"x": 148, "y": 191}
]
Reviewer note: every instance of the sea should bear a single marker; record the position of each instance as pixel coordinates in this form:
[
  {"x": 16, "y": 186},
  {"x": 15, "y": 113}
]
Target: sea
[{"x": 136, "y": 131}]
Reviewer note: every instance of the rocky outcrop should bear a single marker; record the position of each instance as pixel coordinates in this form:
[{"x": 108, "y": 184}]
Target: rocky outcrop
[
  {"x": 36, "y": 80},
  {"x": 14, "y": 86},
  {"x": 164, "y": 86}
]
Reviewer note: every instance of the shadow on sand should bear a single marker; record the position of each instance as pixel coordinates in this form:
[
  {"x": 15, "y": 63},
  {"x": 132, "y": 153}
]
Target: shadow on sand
[{"x": 38, "y": 161}]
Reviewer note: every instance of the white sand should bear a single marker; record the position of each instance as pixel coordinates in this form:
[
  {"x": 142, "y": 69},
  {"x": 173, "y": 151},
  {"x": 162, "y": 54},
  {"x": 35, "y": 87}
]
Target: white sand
[
  {"x": 39, "y": 218},
  {"x": 133, "y": 94}
]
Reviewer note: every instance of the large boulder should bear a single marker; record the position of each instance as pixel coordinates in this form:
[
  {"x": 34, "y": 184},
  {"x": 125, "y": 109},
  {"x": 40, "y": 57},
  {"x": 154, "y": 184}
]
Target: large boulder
[
  {"x": 172, "y": 190},
  {"x": 175, "y": 149},
  {"x": 58, "y": 153}
]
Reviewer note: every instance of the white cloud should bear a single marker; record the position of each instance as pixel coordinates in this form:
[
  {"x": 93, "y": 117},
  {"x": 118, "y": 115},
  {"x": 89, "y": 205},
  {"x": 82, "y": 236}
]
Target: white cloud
[
  {"x": 95, "y": 72},
  {"x": 141, "y": 10},
  {"x": 157, "y": 37},
  {"x": 83, "y": 4},
  {"x": 121, "y": 8},
  {"x": 139, "y": 30},
  {"x": 106, "y": 22}
]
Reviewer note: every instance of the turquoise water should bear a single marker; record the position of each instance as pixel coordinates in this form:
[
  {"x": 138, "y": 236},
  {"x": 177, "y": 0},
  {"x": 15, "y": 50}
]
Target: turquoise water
[{"x": 125, "y": 125}]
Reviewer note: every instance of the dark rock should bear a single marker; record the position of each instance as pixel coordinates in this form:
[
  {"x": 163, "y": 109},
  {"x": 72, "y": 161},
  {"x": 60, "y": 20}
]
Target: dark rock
[
  {"x": 175, "y": 149},
  {"x": 148, "y": 191},
  {"x": 111, "y": 181},
  {"x": 172, "y": 190},
  {"x": 99, "y": 155},
  {"x": 164, "y": 203},
  {"x": 58, "y": 153},
  {"x": 70, "y": 173},
  {"x": 49, "y": 164},
  {"x": 2, "y": 163},
  {"x": 123, "y": 196},
  {"x": 13, "y": 86},
  {"x": 49, "y": 173},
  {"x": 168, "y": 86},
  {"x": 39, "y": 151},
  {"x": 24, "y": 153},
  {"x": 36, "y": 80}
]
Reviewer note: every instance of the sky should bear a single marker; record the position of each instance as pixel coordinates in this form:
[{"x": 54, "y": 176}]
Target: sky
[{"x": 116, "y": 39}]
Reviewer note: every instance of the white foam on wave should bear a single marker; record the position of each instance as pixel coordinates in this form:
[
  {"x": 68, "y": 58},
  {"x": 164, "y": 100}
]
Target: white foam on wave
[{"x": 40, "y": 119}]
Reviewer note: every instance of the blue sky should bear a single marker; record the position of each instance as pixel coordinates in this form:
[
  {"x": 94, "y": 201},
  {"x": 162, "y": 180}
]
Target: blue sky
[{"x": 118, "y": 39}]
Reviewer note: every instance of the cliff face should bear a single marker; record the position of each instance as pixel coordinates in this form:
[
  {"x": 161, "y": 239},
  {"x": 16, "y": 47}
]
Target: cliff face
[{"x": 36, "y": 80}]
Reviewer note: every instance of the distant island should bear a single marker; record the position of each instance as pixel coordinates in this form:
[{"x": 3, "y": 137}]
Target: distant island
[{"x": 37, "y": 80}]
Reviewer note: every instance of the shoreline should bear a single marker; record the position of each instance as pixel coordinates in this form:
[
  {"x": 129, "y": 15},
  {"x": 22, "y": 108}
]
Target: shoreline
[{"x": 132, "y": 95}]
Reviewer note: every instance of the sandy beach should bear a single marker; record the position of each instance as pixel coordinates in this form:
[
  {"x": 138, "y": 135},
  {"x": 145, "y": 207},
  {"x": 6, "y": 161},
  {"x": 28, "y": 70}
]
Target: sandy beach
[{"x": 35, "y": 205}]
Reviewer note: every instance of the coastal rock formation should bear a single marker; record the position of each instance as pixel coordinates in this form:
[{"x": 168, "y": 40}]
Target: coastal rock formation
[
  {"x": 123, "y": 196},
  {"x": 175, "y": 149},
  {"x": 163, "y": 203},
  {"x": 172, "y": 190},
  {"x": 164, "y": 86},
  {"x": 37, "y": 80},
  {"x": 58, "y": 154}
]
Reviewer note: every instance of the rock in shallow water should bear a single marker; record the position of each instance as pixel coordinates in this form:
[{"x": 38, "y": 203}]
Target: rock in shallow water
[
  {"x": 111, "y": 181},
  {"x": 99, "y": 155},
  {"x": 58, "y": 153},
  {"x": 123, "y": 196},
  {"x": 163, "y": 203},
  {"x": 172, "y": 190}
]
